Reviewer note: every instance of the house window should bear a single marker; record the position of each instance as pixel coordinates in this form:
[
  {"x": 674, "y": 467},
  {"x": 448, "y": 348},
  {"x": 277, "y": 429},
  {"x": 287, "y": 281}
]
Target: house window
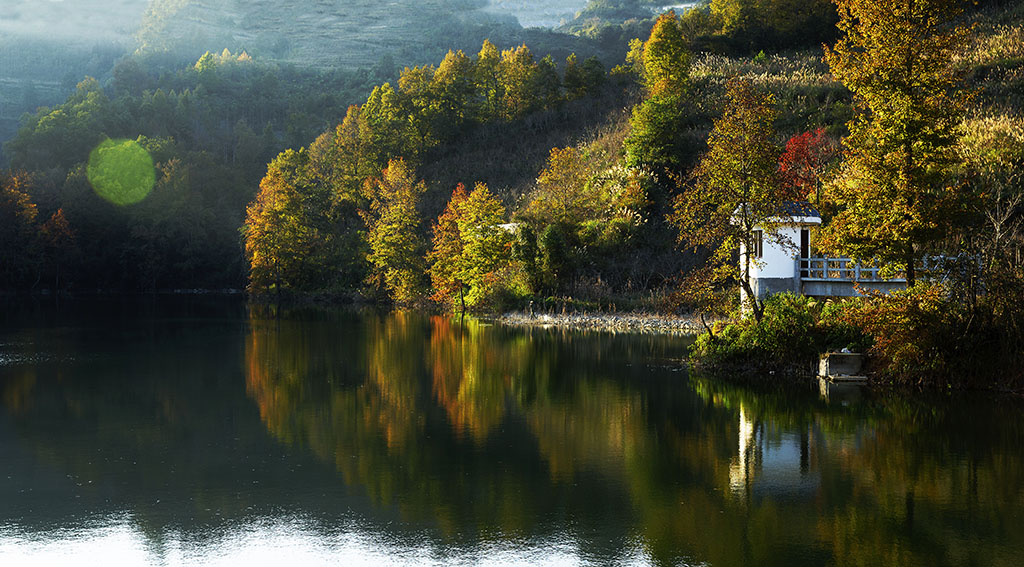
[{"x": 757, "y": 243}]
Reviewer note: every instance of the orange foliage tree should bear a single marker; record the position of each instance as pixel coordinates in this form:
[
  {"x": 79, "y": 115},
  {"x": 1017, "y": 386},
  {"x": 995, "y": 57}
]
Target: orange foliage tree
[{"x": 447, "y": 250}]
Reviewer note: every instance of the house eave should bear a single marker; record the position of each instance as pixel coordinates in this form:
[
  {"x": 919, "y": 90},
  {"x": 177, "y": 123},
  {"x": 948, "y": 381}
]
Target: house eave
[{"x": 794, "y": 220}]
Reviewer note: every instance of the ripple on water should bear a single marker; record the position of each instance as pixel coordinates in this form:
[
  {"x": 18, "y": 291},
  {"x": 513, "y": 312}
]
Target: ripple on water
[
  {"x": 16, "y": 359},
  {"x": 272, "y": 541}
]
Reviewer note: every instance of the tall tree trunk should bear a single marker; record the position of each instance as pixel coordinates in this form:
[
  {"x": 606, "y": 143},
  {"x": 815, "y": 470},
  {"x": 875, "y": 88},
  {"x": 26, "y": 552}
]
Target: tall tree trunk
[
  {"x": 911, "y": 269},
  {"x": 751, "y": 298}
]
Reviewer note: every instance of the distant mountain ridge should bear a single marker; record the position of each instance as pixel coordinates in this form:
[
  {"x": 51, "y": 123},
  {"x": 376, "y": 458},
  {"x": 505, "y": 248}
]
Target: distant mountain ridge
[
  {"x": 538, "y": 13},
  {"x": 322, "y": 33},
  {"x": 73, "y": 21}
]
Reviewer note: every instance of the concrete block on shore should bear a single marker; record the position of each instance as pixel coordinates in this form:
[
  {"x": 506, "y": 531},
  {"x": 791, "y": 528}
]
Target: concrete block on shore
[{"x": 842, "y": 367}]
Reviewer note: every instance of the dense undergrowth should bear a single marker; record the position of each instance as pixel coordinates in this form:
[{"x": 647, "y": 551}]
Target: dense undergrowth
[{"x": 923, "y": 337}]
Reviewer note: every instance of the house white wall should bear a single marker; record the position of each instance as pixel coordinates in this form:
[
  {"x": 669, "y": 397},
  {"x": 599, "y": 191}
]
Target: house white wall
[
  {"x": 777, "y": 269},
  {"x": 778, "y": 260}
]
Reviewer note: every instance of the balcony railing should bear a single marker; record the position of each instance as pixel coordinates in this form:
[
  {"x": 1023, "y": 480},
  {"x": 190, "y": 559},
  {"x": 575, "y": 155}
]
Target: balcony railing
[{"x": 823, "y": 268}]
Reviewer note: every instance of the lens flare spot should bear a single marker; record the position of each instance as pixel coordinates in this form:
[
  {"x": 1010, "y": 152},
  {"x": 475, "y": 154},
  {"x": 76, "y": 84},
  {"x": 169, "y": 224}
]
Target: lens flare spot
[{"x": 121, "y": 171}]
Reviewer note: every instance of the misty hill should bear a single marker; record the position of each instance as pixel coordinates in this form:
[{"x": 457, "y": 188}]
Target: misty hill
[
  {"x": 48, "y": 46},
  {"x": 73, "y": 21},
  {"x": 538, "y": 13},
  {"x": 335, "y": 34}
]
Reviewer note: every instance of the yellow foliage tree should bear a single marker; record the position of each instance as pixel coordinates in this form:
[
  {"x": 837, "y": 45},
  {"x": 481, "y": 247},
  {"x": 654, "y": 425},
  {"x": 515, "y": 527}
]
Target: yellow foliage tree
[
  {"x": 393, "y": 231},
  {"x": 893, "y": 192}
]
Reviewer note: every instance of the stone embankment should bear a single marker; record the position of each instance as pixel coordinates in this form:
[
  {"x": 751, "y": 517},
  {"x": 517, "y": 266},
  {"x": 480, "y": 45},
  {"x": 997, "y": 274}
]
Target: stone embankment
[{"x": 617, "y": 322}]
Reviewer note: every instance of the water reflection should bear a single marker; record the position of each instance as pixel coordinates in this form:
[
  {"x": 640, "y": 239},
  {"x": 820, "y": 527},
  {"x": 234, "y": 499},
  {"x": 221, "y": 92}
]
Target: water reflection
[
  {"x": 277, "y": 542},
  {"x": 216, "y": 434},
  {"x": 495, "y": 425},
  {"x": 458, "y": 424}
]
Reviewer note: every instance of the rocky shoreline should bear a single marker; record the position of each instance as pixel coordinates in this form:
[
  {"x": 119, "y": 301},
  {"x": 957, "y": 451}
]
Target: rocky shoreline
[{"x": 616, "y": 322}]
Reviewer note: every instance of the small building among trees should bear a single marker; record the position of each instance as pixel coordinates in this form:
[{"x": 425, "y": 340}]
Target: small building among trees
[
  {"x": 776, "y": 248},
  {"x": 782, "y": 260}
]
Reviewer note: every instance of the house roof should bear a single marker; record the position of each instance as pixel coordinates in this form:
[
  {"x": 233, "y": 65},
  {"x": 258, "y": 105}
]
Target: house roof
[
  {"x": 791, "y": 212},
  {"x": 798, "y": 209}
]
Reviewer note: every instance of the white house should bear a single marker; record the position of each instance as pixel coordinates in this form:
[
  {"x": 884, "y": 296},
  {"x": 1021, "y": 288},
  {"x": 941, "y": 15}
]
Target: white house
[
  {"x": 775, "y": 259},
  {"x": 782, "y": 260}
]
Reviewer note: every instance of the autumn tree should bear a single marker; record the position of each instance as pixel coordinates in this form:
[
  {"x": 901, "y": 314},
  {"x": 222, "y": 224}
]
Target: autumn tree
[
  {"x": 302, "y": 231},
  {"x": 563, "y": 192},
  {"x": 518, "y": 74},
  {"x": 735, "y": 188},
  {"x": 334, "y": 181},
  {"x": 445, "y": 255},
  {"x": 657, "y": 124},
  {"x": 17, "y": 227},
  {"x": 387, "y": 129},
  {"x": 278, "y": 235},
  {"x": 350, "y": 159},
  {"x": 416, "y": 86},
  {"x": 486, "y": 246},
  {"x": 806, "y": 160},
  {"x": 453, "y": 91},
  {"x": 665, "y": 58},
  {"x": 393, "y": 232},
  {"x": 893, "y": 192},
  {"x": 487, "y": 75}
]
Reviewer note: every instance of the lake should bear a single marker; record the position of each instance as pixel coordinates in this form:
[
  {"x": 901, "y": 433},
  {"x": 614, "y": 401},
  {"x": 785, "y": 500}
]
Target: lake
[{"x": 204, "y": 431}]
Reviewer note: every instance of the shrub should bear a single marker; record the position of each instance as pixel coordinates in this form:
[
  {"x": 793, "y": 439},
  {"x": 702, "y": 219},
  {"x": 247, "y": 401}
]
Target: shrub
[
  {"x": 923, "y": 336},
  {"x": 911, "y": 331},
  {"x": 793, "y": 332},
  {"x": 838, "y": 332},
  {"x": 500, "y": 291}
]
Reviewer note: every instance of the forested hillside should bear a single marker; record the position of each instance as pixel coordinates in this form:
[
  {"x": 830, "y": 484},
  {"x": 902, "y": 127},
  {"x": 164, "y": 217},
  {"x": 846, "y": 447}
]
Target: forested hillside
[
  {"x": 708, "y": 135},
  {"x": 538, "y": 13},
  {"x": 391, "y": 183},
  {"x": 211, "y": 129},
  {"x": 322, "y": 33},
  {"x": 217, "y": 118},
  {"x": 47, "y": 47}
]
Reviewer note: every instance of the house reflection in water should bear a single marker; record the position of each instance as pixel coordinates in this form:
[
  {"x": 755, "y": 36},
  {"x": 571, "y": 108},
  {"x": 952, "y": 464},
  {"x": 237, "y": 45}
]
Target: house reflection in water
[{"x": 772, "y": 462}]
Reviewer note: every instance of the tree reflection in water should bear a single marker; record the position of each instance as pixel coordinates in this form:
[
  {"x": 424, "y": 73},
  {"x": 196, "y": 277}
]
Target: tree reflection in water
[
  {"x": 470, "y": 437},
  {"x": 482, "y": 428}
]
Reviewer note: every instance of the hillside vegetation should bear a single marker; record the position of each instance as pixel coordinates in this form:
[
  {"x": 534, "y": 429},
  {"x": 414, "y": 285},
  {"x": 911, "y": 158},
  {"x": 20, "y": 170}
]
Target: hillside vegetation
[
  {"x": 321, "y": 33},
  {"x": 47, "y": 47},
  {"x": 498, "y": 176}
]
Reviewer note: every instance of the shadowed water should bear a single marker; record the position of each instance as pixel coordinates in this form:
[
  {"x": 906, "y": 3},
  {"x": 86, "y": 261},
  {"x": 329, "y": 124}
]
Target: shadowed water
[{"x": 205, "y": 431}]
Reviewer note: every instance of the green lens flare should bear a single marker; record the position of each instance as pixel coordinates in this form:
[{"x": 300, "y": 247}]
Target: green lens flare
[{"x": 121, "y": 171}]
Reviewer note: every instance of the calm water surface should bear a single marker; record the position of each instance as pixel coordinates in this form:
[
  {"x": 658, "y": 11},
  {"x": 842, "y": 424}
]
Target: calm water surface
[{"x": 203, "y": 431}]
